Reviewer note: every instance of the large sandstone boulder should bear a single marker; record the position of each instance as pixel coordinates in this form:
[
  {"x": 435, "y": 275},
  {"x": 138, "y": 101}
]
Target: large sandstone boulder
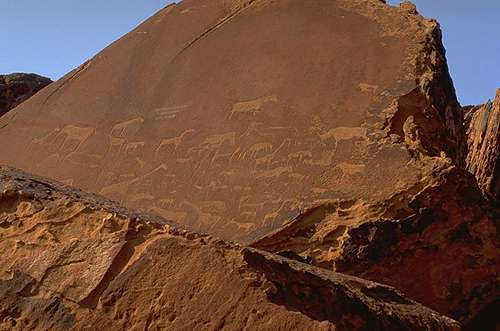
[
  {"x": 16, "y": 88},
  {"x": 232, "y": 116},
  {"x": 73, "y": 260},
  {"x": 324, "y": 131}
]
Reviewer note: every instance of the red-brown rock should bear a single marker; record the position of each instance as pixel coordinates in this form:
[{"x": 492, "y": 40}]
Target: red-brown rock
[
  {"x": 16, "y": 88},
  {"x": 483, "y": 138},
  {"x": 73, "y": 260},
  {"x": 231, "y": 116}
]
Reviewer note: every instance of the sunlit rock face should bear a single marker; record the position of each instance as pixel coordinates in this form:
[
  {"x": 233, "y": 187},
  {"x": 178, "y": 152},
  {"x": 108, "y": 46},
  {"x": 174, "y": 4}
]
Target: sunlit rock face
[
  {"x": 16, "y": 88},
  {"x": 327, "y": 132},
  {"x": 76, "y": 261},
  {"x": 231, "y": 117},
  {"x": 483, "y": 139}
]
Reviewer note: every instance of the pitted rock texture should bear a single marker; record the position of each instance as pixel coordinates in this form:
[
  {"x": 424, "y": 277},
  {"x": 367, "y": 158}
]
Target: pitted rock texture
[
  {"x": 483, "y": 139},
  {"x": 232, "y": 116},
  {"x": 73, "y": 260},
  {"x": 16, "y": 88}
]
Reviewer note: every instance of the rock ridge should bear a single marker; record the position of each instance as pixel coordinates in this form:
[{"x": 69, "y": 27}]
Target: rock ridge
[{"x": 18, "y": 87}]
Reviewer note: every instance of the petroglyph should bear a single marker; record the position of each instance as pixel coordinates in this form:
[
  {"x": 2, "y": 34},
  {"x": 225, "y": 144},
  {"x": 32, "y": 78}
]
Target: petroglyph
[
  {"x": 213, "y": 205},
  {"x": 141, "y": 162},
  {"x": 175, "y": 141},
  {"x": 272, "y": 217},
  {"x": 122, "y": 187},
  {"x": 115, "y": 145},
  {"x": 299, "y": 156},
  {"x": 251, "y": 107},
  {"x": 245, "y": 226},
  {"x": 46, "y": 139},
  {"x": 349, "y": 169},
  {"x": 252, "y": 151},
  {"x": 368, "y": 88},
  {"x": 166, "y": 203},
  {"x": 344, "y": 133},
  {"x": 326, "y": 159},
  {"x": 218, "y": 140},
  {"x": 127, "y": 129},
  {"x": 205, "y": 218},
  {"x": 76, "y": 134},
  {"x": 134, "y": 146},
  {"x": 220, "y": 156},
  {"x": 265, "y": 160}
]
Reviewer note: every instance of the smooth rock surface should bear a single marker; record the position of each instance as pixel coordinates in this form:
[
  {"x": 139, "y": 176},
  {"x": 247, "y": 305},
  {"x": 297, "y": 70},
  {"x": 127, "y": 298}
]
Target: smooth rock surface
[{"x": 232, "y": 116}]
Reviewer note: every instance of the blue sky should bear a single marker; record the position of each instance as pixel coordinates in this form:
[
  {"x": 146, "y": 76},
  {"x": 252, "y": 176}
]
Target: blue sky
[{"x": 51, "y": 37}]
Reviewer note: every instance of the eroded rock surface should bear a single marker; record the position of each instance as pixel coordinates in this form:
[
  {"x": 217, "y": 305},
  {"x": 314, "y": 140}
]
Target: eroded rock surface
[
  {"x": 483, "y": 139},
  {"x": 232, "y": 116},
  {"x": 440, "y": 245},
  {"x": 73, "y": 260},
  {"x": 16, "y": 88}
]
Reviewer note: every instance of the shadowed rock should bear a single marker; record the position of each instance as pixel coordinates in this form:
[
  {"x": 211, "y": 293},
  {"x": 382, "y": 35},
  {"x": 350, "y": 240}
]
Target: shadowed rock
[{"x": 16, "y": 88}]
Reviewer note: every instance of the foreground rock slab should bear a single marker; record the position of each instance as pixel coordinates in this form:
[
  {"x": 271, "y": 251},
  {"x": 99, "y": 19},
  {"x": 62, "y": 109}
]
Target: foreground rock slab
[
  {"x": 18, "y": 87},
  {"x": 73, "y": 260}
]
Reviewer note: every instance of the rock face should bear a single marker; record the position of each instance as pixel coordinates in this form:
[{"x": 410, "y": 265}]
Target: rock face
[
  {"x": 73, "y": 260},
  {"x": 232, "y": 116},
  {"x": 16, "y": 88},
  {"x": 325, "y": 132},
  {"x": 483, "y": 139},
  {"x": 440, "y": 246}
]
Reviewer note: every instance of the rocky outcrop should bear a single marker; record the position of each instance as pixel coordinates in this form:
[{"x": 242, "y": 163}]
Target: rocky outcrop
[
  {"x": 327, "y": 132},
  {"x": 73, "y": 260},
  {"x": 483, "y": 139},
  {"x": 16, "y": 88},
  {"x": 217, "y": 137},
  {"x": 440, "y": 246}
]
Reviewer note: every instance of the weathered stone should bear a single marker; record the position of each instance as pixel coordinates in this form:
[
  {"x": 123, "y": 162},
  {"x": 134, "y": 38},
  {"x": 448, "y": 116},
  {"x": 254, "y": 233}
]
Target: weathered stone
[
  {"x": 73, "y": 260},
  {"x": 483, "y": 138},
  {"x": 16, "y": 88},
  {"x": 231, "y": 116},
  {"x": 438, "y": 242}
]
